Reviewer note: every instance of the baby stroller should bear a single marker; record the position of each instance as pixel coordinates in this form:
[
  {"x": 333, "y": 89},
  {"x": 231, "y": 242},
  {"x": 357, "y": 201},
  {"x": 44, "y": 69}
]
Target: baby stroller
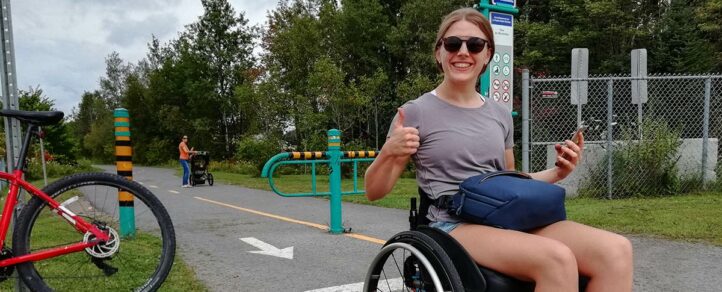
[{"x": 199, "y": 169}]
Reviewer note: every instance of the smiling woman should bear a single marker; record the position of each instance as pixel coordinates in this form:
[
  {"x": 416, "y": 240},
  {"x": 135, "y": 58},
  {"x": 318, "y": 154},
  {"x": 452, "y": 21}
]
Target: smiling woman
[{"x": 453, "y": 133}]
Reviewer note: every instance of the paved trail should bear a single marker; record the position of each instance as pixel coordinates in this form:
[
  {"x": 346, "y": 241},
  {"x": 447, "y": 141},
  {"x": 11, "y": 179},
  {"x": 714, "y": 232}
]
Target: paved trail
[{"x": 220, "y": 227}]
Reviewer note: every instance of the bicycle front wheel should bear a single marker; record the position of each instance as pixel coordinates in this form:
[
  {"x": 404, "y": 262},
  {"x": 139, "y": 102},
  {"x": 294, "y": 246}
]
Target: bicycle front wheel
[{"x": 138, "y": 257}]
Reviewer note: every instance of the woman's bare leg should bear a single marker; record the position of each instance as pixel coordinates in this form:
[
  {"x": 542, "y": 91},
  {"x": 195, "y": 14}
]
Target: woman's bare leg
[
  {"x": 545, "y": 261},
  {"x": 603, "y": 256}
]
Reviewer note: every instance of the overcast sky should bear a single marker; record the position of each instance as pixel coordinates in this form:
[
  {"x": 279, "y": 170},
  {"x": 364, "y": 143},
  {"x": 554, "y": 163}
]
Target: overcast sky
[{"x": 61, "y": 45}]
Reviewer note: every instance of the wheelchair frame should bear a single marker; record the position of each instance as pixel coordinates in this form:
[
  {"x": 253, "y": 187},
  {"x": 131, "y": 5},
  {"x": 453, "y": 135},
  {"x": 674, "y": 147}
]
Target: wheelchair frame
[{"x": 443, "y": 259}]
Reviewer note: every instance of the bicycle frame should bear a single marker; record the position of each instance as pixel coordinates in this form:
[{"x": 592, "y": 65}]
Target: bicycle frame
[{"x": 16, "y": 182}]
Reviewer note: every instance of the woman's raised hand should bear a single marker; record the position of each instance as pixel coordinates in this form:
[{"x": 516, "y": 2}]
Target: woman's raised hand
[
  {"x": 404, "y": 141},
  {"x": 568, "y": 155}
]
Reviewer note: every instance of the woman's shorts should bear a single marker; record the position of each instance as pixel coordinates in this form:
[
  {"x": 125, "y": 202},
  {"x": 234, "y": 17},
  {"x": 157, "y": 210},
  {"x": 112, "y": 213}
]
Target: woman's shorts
[{"x": 445, "y": 226}]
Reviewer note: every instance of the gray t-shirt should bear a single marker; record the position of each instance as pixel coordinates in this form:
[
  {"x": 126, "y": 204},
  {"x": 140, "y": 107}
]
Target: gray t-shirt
[{"x": 456, "y": 143}]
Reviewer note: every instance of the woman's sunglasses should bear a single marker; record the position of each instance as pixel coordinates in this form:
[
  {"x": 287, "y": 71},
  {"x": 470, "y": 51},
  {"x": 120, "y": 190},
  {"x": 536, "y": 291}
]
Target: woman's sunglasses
[{"x": 474, "y": 45}]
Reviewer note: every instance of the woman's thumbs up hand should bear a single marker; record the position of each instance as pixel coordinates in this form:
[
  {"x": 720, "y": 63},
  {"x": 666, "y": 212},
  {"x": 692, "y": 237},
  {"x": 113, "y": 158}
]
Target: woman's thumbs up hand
[{"x": 404, "y": 141}]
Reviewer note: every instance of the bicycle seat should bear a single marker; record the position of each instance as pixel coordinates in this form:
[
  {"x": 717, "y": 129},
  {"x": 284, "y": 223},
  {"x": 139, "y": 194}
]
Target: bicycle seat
[{"x": 34, "y": 117}]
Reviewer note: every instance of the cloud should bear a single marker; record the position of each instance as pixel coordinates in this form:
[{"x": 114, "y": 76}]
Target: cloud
[
  {"x": 61, "y": 45},
  {"x": 125, "y": 32}
]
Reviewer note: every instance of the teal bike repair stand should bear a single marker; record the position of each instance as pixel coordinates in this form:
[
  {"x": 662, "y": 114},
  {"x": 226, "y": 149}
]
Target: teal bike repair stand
[{"x": 333, "y": 157}]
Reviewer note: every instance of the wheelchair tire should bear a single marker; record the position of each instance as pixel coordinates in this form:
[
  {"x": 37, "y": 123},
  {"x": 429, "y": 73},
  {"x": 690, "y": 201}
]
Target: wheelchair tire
[{"x": 425, "y": 269}]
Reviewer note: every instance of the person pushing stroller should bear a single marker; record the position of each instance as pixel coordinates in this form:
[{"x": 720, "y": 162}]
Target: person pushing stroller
[{"x": 184, "y": 160}]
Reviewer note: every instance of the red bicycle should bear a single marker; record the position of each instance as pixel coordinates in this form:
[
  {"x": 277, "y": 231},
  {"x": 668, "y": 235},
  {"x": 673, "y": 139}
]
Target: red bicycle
[{"x": 67, "y": 236}]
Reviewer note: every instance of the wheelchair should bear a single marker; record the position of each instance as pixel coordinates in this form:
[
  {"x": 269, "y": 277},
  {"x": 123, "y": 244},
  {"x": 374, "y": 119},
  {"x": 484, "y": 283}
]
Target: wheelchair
[{"x": 428, "y": 259}]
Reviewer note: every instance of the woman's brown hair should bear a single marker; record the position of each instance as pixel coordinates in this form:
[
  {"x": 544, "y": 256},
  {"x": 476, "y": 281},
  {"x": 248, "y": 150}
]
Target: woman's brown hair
[{"x": 471, "y": 15}]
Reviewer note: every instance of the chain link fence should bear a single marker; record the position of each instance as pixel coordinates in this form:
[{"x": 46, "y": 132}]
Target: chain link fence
[{"x": 666, "y": 145}]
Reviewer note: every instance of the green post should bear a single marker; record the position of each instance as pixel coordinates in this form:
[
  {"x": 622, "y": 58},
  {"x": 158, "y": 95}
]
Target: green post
[
  {"x": 124, "y": 166},
  {"x": 334, "y": 155},
  {"x": 484, "y": 88},
  {"x": 497, "y": 81}
]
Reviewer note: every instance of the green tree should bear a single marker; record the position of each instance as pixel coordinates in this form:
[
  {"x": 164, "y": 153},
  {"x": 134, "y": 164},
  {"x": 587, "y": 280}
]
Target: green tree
[
  {"x": 292, "y": 43},
  {"x": 223, "y": 41},
  {"x": 547, "y": 31},
  {"x": 58, "y": 138},
  {"x": 92, "y": 115},
  {"x": 710, "y": 25},
  {"x": 681, "y": 45},
  {"x": 112, "y": 85}
]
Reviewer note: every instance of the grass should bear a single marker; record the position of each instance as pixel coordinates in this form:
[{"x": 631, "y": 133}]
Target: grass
[
  {"x": 693, "y": 217},
  {"x": 138, "y": 257}
]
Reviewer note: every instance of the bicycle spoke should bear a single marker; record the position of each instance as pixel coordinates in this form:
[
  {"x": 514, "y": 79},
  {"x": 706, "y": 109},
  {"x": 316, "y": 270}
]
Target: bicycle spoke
[{"x": 129, "y": 260}]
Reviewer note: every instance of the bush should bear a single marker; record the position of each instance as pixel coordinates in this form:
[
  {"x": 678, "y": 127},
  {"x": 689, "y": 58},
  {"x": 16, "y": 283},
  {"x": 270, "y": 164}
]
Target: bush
[
  {"x": 257, "y": 150},
  {"x": 240, "y": 167},
  {"x": 55, "y": 169},
  {"x": 157, "y": 152},
  {"x": 646, "y": 167}
]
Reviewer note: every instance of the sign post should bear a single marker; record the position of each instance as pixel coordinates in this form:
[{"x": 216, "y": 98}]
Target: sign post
[
  {"x": 9, "y": 93},
  {"x": 580, "y": 88},
  {"x": 639, "y": 83},
  {"x": 497, "y": 81}
]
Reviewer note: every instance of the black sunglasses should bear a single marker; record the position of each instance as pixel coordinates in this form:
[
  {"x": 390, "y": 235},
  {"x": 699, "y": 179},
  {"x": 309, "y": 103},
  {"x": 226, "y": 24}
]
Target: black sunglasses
[{"x": 474, "y": 45}]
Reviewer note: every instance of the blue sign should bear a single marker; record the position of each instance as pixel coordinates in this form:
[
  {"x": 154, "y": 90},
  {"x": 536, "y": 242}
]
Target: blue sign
[
  {"x": 504, "y": 2},
  {"x": 501, "y": 19}
]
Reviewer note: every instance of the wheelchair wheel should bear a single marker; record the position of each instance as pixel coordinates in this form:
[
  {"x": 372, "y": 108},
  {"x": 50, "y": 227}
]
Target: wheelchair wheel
[{"x": 412, "y": 261}]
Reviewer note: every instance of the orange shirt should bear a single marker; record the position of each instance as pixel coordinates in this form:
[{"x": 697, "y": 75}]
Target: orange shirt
[{"x": 183, "y": 149}]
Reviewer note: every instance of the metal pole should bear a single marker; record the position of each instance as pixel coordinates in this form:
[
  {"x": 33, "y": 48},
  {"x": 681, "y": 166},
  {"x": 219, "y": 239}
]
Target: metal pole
[
  {"x": 639, "y": 121},
  {"x": 376, "y": 122},
  {"x": 705, "y": 129},
  {"x": 334, "y": 179},
  {"x": 484, "y": 82},
  {"x": 42, "y": 157},
  {"x": 10, "y": 98},
  {"x": 525, "y": 87},
  {"x": 579, "y": 114},
  {"x": 610, "y": 152},
  {"x": 9, "y": 85}
]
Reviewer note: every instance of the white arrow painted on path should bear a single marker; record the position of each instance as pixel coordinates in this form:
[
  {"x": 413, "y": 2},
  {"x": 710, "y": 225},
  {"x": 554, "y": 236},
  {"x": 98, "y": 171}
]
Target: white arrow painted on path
[{"x": 267, "y": 249}]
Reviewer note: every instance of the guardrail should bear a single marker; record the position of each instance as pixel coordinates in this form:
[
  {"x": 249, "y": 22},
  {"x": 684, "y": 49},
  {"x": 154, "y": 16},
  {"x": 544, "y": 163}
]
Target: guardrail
[{"x": 333, "y": 157}]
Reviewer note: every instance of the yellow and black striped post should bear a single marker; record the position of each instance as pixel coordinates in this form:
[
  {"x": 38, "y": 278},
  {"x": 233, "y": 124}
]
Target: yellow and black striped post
[{"x": 124, "y": 165}]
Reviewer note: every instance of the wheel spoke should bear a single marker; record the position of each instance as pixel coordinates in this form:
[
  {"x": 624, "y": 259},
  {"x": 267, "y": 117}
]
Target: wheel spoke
[{"x": 143, "y": 257}]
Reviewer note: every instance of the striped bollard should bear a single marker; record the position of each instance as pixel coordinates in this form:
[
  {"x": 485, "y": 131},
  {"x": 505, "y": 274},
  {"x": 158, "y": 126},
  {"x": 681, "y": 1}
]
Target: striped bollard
[
  {"x": 334, "y": 156},
  {"x": 124, "y": 165}
]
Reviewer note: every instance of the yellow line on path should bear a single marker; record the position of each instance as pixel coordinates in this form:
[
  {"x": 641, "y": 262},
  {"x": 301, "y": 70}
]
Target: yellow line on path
[{"x": 310, "y": 224}]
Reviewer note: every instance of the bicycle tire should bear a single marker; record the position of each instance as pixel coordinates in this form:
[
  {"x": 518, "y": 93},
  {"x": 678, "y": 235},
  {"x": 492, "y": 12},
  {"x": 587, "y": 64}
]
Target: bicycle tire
[
  {"x": 432, "y": 252},
  {"x": 133, "y": 252}
]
